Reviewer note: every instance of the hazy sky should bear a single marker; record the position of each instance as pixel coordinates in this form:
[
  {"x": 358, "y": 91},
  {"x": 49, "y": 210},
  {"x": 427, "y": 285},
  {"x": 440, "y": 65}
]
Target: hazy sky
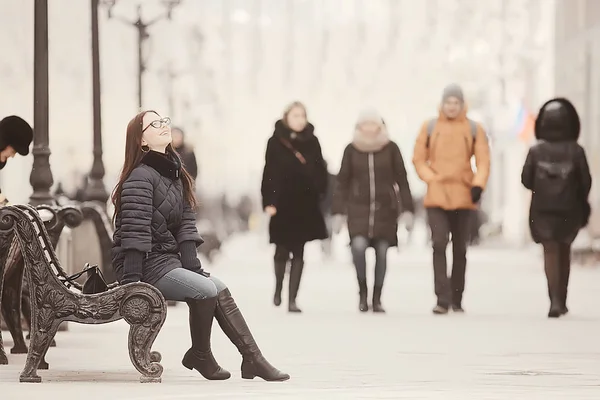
[{"x": 337, "y": 56}]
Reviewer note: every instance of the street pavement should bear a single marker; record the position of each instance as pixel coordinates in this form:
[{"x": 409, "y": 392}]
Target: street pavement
[{"x": 503, "y": 347}]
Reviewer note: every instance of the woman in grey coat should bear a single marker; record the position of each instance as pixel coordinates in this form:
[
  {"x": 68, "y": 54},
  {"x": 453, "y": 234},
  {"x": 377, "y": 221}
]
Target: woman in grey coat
[
  {"x": 155, "y": 241},
  {"x": 372, "y": 192}
]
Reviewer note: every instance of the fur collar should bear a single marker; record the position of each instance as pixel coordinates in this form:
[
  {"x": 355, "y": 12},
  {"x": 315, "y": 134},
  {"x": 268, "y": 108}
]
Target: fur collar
[
  {"x": 168, "y": 165},
  {"x": 282, "y": 131}
]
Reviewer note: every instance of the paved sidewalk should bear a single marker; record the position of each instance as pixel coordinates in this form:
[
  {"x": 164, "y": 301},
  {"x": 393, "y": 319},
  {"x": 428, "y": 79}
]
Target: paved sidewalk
[{"x": 504, "y": 347}]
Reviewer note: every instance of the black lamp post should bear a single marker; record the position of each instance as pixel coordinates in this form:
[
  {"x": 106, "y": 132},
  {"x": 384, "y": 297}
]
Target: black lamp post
[
  {"x": 41, "y": 179},
  {"x": 95, "y": 190},
  {"x": 142, "y": 30}
]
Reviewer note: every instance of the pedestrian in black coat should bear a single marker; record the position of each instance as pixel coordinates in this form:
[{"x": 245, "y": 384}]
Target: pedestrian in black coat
[
  {"x": 15, "y": 137},
  {"x": 155, "y": 241},
  {"x": 186, "y": 152},
  {"x": 557, "y": 173},
  {"x": 294, "y": 180},
  {"x": 372, "y": 192}
]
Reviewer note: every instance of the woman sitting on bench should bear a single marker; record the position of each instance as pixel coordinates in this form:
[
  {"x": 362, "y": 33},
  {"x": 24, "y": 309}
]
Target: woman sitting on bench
[{"x": 155, "y": 241}]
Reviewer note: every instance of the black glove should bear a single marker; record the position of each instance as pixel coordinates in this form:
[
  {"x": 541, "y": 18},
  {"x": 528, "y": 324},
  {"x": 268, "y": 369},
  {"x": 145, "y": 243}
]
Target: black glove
[
  {"x": 476, "y": 194},
  {"x": 128, "y": 279},
  {"x": 132, "y": 267},
  {"x": 189, "y": 258}
]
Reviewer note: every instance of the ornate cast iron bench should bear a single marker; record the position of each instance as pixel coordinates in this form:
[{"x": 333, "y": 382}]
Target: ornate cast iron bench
[
  {"x": 54, "y": 300},
  {"x": 14, "y": 294}
]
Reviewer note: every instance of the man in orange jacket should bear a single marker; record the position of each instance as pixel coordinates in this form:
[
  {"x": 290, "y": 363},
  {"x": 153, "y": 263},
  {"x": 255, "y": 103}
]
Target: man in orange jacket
[{"x": 442, "y": 158}]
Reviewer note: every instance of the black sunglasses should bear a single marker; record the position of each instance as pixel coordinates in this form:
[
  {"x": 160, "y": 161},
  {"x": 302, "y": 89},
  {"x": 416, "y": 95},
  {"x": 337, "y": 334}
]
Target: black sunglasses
[{"x": 159, "y": 123}]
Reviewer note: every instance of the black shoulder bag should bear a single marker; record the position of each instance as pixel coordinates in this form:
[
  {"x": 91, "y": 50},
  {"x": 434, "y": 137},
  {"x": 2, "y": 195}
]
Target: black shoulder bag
[{"x": 94, "y": 283}]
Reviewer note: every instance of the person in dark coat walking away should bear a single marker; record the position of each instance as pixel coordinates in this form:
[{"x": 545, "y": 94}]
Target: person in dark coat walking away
[
  {"x": 186, "y": 152},
  {"x": 442, "y": 157},
  {"x": 155, "y": 241},
  {"x": 15, "y": 137},
  {"x": 557, "y": 173},
  {"x": 372, "y": 191},
  {"x": 294, "y": 180}
]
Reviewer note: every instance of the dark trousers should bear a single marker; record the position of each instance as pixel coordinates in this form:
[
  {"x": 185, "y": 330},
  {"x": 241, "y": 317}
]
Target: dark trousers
[
  {"x": 282, "y": 253},
  {"x": 449, "y": 290},
  {"x": 557, "y": 264}
]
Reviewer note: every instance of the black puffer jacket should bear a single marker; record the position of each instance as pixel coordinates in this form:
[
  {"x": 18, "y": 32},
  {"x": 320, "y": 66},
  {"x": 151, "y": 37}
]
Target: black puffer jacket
[
  {"x": 155, "y": 220},
  {"x": 557, "y": 130},
  {"x": 367, "y": 192},
  {"x": 295, "y": 189}
]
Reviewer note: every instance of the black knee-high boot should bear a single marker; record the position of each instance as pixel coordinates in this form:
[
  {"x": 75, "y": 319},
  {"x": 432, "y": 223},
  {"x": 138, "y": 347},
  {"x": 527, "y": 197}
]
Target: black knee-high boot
[
  {"x": 279, "y": 275},
  {"x": 199, "y": 356},
  {"x": 363, "y": 306},
  {"x": 232, "y": 323},
  {"x": 377, "y": 307},
  {"x": 295, "y": 278}
]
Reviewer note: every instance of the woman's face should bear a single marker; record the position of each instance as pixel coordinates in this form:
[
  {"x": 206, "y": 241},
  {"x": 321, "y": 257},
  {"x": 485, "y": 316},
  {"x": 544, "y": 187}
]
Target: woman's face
[
  {"x": 296, "y": 119},
  {"x": 8, "y": 152},
  {"x": 156, "y": 132},
  {"x": 369, "y": 128}
]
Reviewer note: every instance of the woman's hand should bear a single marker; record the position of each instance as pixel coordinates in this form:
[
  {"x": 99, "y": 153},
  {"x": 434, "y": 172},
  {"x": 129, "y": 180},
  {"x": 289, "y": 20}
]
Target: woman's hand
[
  {"x": 271, "y": 210},
  {"x": 127, "y": 280}
]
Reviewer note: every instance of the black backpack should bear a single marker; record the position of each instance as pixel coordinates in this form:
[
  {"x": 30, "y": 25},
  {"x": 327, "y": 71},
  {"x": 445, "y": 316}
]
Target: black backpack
[{"x": 556, "y": 186}]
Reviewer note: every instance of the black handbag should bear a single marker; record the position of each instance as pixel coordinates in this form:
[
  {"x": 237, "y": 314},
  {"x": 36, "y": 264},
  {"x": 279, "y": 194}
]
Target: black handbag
[{"x": 94, "y": 283}]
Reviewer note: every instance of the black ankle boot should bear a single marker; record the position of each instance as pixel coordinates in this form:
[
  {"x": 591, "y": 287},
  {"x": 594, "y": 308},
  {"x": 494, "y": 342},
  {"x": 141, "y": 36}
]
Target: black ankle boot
[
  {"x": 279, "y": 275},
  {"x": 295, "y": 277},
  {"x": 199, "y": 356},
  {"x": 363, "y": 305},
  {"x": 377, "y": 307},
  {"x": 556, "y": 309},
  {"x": 234, "y": 326}
]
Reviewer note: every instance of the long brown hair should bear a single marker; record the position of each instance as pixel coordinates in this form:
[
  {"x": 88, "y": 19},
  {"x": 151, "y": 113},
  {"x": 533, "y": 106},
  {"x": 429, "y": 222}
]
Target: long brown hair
[{"x": 133, "y": 158}]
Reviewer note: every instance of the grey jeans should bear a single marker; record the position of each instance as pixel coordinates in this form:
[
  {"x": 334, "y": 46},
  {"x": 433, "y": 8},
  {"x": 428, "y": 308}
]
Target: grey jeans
[
  {"x": 359, "y": 246},
  {"x": 180, "y": 284}
]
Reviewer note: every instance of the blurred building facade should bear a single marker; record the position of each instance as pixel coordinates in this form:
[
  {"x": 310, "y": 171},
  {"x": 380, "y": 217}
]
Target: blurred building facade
[{"x": 577, "y": 77}]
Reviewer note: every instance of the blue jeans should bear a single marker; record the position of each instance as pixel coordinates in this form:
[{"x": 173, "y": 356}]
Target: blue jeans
[
  {"x": 181, "y": 284},
  {"x": 359, "y": 246}
]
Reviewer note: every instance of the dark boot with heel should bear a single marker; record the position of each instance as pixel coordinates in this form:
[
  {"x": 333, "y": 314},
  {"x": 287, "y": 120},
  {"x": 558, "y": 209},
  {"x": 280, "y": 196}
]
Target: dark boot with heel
[
  {"x": 279, "y": 276},
  {"x": 234, "y": 325},
  {"x": 363, "y": 305},
  {"x": 377, "y": 307},
  {"x": 295, "y": 277},
  {"x": 552, "y": 269},
  {"x": 565, "y": 272},
  {"x": 199, "y": 356}
]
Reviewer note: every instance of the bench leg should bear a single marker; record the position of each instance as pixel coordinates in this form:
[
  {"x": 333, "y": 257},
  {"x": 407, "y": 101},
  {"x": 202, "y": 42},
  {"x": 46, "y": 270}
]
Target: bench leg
[
  {"x": 11, "y": 308},
  {"x": 26, "y": 310},
  {"x": 3, "y": 357},
  {"x": 145, "y": 320},
  {"x": 40, "y": 341}
]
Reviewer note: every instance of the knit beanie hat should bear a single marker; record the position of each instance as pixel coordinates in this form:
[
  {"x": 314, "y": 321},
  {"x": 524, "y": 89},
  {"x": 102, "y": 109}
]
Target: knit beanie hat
[
  {"x": 370, "y": 115},
  {"x": 453, "y": 90},
  {"x": 17, "y": 133}
]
